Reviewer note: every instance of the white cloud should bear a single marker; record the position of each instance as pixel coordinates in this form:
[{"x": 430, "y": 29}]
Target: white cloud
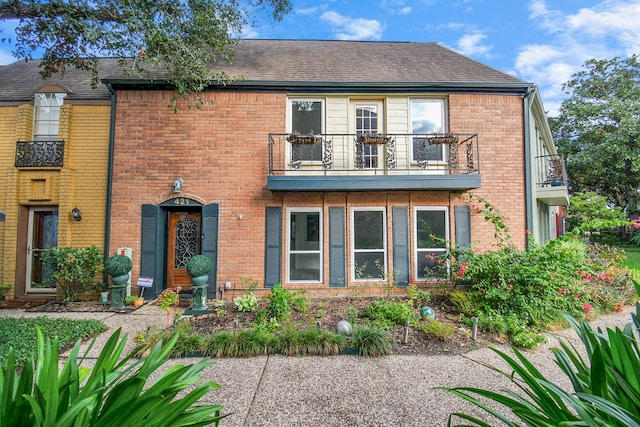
[
  {"x": 405, "y": 10},
  {"x": 470, "y": 45},
  {"x": 608, "y": 29},
  {"x": 348, "y": 28}
]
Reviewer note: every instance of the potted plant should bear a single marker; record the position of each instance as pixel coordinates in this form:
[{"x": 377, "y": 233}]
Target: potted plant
[
  {"x": 134, "y": 300},
  {"x": 443, "y": 139},
  {"x": 118, "y": 267},
  {"x": 198, "y": 268},
  {"x": 303, "y": 139},
  {"x": 3, "y": 291},
  {"x": 373, "y": 139}
]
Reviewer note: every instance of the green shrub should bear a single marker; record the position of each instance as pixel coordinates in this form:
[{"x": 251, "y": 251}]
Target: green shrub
[
  {"x": 3, "y": 290},
  {"x": 247, "y": 303},
  {"x": 528, "y": 339},
  {"x": 20, "y": 334},
  {"x": 281, "y": 301},
  {"x": 461, "y": 302},
  {"x": 199, "y": 265},
  {"x": 495, "y": 325},
  {"x": 418, "y": 297},
  {"x": 371, "y": 341},
  {"x": 116, "y": 391},
  {"x": 387, "y": 313},
  {"x": 606, "y": 390},
  {"x": 117, "y": 265},
  {"x": 436, "y": 329},
  {"x": 75, "y": 270}
]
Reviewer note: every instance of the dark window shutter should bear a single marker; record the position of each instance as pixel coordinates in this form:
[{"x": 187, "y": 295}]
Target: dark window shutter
[
  {"x": 151, "y": 250},
  {"x": 463, "y": 226},
  {"x": 210, "y": 243},
  {"x": 337, "y": 256},
  {"x": 273, "y": 249},
  {"x": 401, "y": 245}
]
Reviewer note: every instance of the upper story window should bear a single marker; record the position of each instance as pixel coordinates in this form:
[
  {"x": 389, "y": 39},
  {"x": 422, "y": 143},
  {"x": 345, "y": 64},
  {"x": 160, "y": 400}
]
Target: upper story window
[
  {"x": 46, "y": 116},
  {"x": 307, "y": 118},
  {"x": 427, "y": 116}
]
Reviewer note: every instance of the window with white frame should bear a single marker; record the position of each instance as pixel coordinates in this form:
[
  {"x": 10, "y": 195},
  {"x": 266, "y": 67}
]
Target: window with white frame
[
  {"x": 369, "y": 243},
  {"x": 431, "y": 236},
  {"x": 307, "y": 118},
  {"x": 304, "y": 245},
  {"x": 46, "y": 116},
  {"x": 427, "y": 116}
]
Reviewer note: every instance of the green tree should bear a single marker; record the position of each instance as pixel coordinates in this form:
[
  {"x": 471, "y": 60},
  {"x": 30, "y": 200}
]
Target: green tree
[
  {"x": 177, "y": 38},
  {"x": 590, "y": 211},
  {"x": 598, "y": 130}
]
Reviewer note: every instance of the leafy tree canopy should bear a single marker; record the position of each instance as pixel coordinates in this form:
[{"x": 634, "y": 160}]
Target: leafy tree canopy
[
  {"x": 178, "y": 38},
  {"x": 598, "y": 130}
]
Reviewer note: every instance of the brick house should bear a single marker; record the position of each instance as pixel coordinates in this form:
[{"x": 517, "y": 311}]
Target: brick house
[
  {"x": 54, "y": 145},
  {"x": 329, "y": 166}
]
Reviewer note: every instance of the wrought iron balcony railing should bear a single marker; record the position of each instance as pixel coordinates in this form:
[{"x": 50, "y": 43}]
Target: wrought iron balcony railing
[
  {"x": 33, "y": 154},
  {"x": 389, "y": 154},
  {"x": 551, "y": 171}
]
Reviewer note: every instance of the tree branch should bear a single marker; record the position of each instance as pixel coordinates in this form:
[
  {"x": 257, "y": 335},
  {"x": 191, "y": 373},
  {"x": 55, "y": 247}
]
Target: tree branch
[{"x": 54, "y": 9}]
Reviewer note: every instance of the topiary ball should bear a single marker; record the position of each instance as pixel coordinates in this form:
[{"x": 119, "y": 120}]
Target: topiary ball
[
  {"x": 117, "y": 265},
  {"x": 198, "y": 265},
  {"x": 427, "y": 313},
  {"x": 344, "y": 328}
]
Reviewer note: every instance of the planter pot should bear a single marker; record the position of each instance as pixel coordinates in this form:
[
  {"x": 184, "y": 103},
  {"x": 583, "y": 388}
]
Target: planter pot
[
  {"x": 443, "y": 140},
  {"x": 373, "y": 140},
  {"x": 304, "y": 139},
  {"x": 120, "y": 280},
  {"x": 138, "y": 303},
  {"x": 104, "y": 297},
  {"x": 200, "y": 280},
  {"x": 556, "y": 183}
]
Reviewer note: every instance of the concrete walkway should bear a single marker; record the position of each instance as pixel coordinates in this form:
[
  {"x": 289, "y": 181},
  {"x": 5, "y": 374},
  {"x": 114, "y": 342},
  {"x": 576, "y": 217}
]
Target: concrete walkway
[{"x": 339, "y": 390}]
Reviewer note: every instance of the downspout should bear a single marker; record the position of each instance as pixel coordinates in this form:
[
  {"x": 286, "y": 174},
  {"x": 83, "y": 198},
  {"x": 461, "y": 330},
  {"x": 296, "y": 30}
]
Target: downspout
[
  {"x": 527, "y": 163},
  {"x": 112, "y": 128}
]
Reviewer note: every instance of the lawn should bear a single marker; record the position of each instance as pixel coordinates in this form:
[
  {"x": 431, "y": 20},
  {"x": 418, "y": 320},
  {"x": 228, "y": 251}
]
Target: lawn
[
  {"x": 633, "y": 258},
  {"x": 20, "y": 334}
]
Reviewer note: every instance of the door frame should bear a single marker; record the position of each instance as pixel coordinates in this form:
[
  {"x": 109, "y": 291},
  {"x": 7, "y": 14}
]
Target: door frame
[
  {"x": 381, "y": 126},
  {"x": 28, "y": 255}
]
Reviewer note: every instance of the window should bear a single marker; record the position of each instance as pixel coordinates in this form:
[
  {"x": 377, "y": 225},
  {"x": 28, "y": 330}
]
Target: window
[
  {"x": 304, "y": 249},
  {"x": 46, "y": 116},
  {"x": 369, "y": 242},
  {"x": 432, "y": 231},
  {"x": 427, "y": 116},
  {"x": 307, "y": 118}
]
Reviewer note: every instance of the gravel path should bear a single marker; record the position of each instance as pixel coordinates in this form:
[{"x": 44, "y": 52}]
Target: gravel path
[{"x": 344, "y": 390}]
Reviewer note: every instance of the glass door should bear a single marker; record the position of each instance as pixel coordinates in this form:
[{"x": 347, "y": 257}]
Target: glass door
[
  {"x": 368, "y": 121},
  {"x": 42, "y": 234}
]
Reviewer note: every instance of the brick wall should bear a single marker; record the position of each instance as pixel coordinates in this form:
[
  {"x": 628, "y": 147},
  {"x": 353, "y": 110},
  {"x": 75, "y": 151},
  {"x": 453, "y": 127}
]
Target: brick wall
[{"x": 221, "y": 154}]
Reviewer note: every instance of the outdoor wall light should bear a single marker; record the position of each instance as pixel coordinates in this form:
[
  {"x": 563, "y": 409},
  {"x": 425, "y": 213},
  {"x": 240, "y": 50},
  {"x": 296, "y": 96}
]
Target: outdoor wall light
[
  {"x": 177, "y": 185},
  {"x": 75, "y": 214}
]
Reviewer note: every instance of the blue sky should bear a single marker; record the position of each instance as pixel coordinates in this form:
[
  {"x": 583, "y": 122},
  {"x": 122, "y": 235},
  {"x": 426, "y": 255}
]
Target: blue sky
[{"x": 538, "y": 41}]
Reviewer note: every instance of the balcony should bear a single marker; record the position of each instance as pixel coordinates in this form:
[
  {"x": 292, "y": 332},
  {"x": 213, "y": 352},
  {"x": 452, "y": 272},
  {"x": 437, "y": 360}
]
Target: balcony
[
  {"x": 37, "y": 154},
  {"x": 390, "y": 162},
  {"x": 551, "y": 183}
]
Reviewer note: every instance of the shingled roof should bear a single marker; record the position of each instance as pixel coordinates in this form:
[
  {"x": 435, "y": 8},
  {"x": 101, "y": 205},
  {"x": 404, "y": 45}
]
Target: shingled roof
[{"x": 294, "y": 63}]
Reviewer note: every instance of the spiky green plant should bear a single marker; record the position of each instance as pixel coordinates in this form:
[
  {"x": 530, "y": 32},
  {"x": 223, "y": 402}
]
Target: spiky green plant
[
  {"x": 116, "y": 391},
  {"x": 606, "y": 386},
  {"x": 371, "y": 341}
]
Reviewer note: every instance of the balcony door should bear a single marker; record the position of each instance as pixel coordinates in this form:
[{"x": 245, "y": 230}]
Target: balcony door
[
  {"x": 41, "y": 235},
  {"x": 368, "y": 119}
]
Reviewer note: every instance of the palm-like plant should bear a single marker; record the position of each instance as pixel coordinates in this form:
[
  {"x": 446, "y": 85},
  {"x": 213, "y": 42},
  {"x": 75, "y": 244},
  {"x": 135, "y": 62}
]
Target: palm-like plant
[{"x": 606, "y": 387}]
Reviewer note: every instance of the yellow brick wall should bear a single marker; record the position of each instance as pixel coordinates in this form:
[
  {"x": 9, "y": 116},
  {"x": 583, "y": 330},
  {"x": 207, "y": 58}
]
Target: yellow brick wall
[{"x": 81, "y": 182}]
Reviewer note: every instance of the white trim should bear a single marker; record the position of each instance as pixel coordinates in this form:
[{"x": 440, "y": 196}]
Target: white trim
[
  {"x": 289, "y": 128},
  {"x": 416, "y": 209},
  {"x": 319, "y": 251},
  {"x": 353, "y": 210}
]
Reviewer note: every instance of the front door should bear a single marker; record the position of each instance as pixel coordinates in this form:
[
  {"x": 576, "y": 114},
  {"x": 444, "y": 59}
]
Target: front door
[
  {"x": 42, "y": 234},
  {"x": 183, "y": 242}
]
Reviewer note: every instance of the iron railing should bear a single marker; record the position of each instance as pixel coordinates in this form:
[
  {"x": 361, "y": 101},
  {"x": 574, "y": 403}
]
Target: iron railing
[
  {"x": 551, "y": 171},
  {"x": 389, "y": 154},
  {"x": 33, "y": 154}
]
